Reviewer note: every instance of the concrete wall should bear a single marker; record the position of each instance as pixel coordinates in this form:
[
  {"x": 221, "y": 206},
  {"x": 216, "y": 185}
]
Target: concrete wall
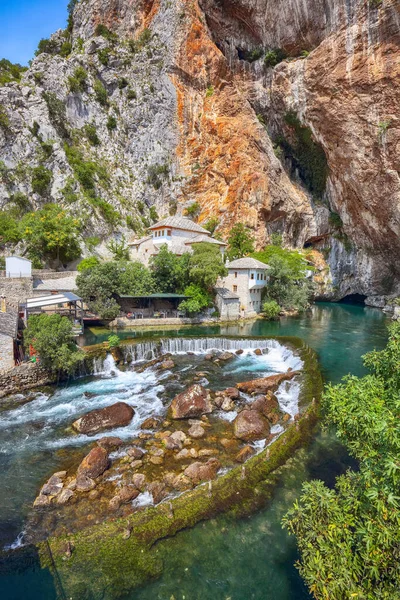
[{"x": 6, "y": 353}]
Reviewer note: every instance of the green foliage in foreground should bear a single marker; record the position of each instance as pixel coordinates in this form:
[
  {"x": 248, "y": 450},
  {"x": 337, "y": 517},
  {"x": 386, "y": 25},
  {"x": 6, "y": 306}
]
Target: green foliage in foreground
[
  {"x": 88, "y": 263},
  {"x": 51, "y": 336},
  {"x": 349, "y": 537},
  {"x": 271, "y": 309},
  {"x": 198, "y": 299},
  {"x": 10, "y": 71}
]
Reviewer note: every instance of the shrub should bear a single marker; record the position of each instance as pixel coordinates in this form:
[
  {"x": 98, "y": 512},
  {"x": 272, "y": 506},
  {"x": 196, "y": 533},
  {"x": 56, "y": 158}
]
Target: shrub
[
  {"x": 131, "y": 94},
  {"x": 109, "y": 213},
  {"x": 210, "y": 91},
  {"x": 104, "y": 56},
  {"x": 122, "y": 83},
  {"x": 41, "y": 180},
  {"x": 134, "y": 223},
  {"x": 21, "y": 202},
  {"x": 271, "y": 309},
  {"x": 198, "y": 300},
  {"x": 85, "y": 171},
  {"x": 335, "y": 221},
  {"x": 155, "y": 173},
  {"x": 145, "y": 37},
  {"x": 10, "y": 72},
  {"x": 52, "y": 338},
  {"x": 276, "y": 239},
  {"x": 113, "y": 341},
  {"x": 91, "y": 242},
  {"x": 88, "y": 263},
  {"x": 100, "y": 93},
  {"x": 68, "y": 191},
  {"x": 9, "y": 228},
  {"x": 38, "y": 77},
  {"x": 118, "y": 249},
  {"x": 46, "y": 46},
  {"x": 153, "y": 214},
  {"x": 193, "y": 210},
  {"x": 274, "y": 57},
  {"x": 57, "y": 113},
  {"x": 66, "y": 49},
  {"x": 77, "y": 81},
  {"x": 103, "y": 31},
  {"x": 91, "y": 134},
  {"x": 4, "y": 120},
  {"x": 111, "y": 123},
  {"x": 206, "y": 266}
]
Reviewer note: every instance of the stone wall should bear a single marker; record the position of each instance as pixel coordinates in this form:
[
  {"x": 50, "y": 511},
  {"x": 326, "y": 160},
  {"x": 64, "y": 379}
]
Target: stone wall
[
  {"x": 6, "y": 353},
  {"x": 22, "y": 378},
  {"x": 16, "y": 290}
]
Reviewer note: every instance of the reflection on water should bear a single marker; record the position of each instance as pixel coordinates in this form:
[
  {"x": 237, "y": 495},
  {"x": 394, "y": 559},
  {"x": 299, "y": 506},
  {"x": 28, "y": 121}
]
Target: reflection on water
[{"x": 251, "y": 558}]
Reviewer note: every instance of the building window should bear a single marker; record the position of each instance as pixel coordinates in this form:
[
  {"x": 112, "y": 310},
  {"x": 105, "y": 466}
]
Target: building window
[
  {"x": 169, "y": 232},
  {"x": 252, "y": 276},
  {"x": 235, "y": 274},
  {"x": 235, "y": 288}
]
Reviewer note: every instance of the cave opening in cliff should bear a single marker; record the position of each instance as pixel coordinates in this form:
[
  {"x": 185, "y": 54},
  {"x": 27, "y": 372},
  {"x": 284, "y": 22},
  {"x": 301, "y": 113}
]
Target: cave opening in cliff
[{"x": 358, "y": 299}]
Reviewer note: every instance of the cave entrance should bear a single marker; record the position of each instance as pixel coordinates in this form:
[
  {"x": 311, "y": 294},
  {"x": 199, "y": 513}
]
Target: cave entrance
[{"x": 354, "y": 299}]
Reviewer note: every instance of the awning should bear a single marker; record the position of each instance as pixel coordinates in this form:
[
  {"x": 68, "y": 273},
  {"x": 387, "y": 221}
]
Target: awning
[{"x": 41, "y": 301}]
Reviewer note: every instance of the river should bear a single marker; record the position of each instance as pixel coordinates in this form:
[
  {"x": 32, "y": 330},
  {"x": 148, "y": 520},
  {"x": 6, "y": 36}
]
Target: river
[{"x": 251, "y": 558}]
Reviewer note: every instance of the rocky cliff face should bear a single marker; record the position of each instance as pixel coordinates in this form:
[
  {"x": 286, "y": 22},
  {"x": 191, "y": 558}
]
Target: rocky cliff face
[{"x": 194, "y": 101}]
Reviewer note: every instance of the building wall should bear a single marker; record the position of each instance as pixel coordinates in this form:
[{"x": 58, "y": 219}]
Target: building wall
[
  {"x": 6, "y": 352},
  {"x": 18, "y": 267},
  {"x": 229, "y": 308},
  {"x": 250, "y": 298}
]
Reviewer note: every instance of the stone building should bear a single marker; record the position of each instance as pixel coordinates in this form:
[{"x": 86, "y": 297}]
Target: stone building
[
  {"x": 179, "y": 234},
  {"x": 247, "y": 278}
]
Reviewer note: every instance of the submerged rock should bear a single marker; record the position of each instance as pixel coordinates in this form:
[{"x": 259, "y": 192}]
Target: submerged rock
[
  {"x": 116, "y": 415},
  {"x": 150, "y": 423},
  {"x": 196, "y": 432},
  {"x": 110, "y": 442},
  {"x": 64, "y": 496},
  {"x": 42, "y": 500},
  {"x": 95, "y": 463},
  {"x": 135, "y": 453},
  {"x": 244, "y": 454},
  {"x": 250, "y": 425},
  {"x": 193, "y": 402},
  {"x": 157, "y": 490},
  {"x": 265, "y": 384}
]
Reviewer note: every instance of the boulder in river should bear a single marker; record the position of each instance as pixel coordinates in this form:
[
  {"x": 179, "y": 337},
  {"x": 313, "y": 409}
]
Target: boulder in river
[
  {"x": 84, "y": 483},
  {"x": 116, "y": 415},
  {"x": 244, "y": 454},
  {"x": 250, "y": 425},
  {"x": 268, "y": 406},
  {"x": 265, "y": 384},
  {"x": 193, "y": 402},
  {"x": 95, "y": 463},
  {"x": 198, "y": 471},
  {"x": 196, "y": 432},
  {"x": 110, "y": 442}
]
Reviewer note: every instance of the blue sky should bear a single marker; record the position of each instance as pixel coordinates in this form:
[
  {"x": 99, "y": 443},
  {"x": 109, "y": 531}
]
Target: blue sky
[{"x": 25, "y": 22}]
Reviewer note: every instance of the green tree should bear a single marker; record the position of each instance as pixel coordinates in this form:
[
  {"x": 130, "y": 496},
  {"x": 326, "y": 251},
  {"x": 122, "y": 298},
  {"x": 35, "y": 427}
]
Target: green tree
[
  {"x": 170, "y": 272},
  {"x": 206, "y": 266},
  {"x": 41, "y": 180},
  {"x": 349, "y": 537},
  {"x": 98, "y": 286},
  {"x": 288, "y": 287},
  {"x": 240, "y": 242},
  {"x": 135, "y": 279},
  {"x": 51, "y": 233},
  {"x": 9, "y": 228},
  {"x": 119, "y": 249},
  {"x": 271, "y": 309},
  {"x": 211, "y": 225},
  {"x": 198, "y": 299},
  {"x": 52, "y": 338}
]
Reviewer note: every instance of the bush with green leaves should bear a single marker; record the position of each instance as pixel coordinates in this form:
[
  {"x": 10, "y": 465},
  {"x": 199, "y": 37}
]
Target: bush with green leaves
[
  {"x": 4, "y": 119},
  {"x": 66, "y": 49},
  {"x": 118, "y": 249},
  {"x": 197, "y": 301},
  {"x": 100, "y": 93},
  {"x": 10, "y": 232},
  {"x": 90, "y": 131},
  {"x": 104, "y": 56},
  {"x": 78, "y": 81},
  {"x": 41, "y": 180},
  {"x": 111, "y": 123},
  {"x": 52, "y": 338},
  {"x": 10, "y": 71},
  {"x": 211, "y": 225},
  {"x": 113, "y": 341},
  {"x": 103, "y": 31},
  {"x": 274, "y": 57},
  {"x": 47, "y": 46},
  {"x": 88, "y": 263},
  {"x": 87, "y": 172},
  {"x": 193, "y": 210},
  {"x": 271, "y": 309},
  {"x": 240, "y": 242},
  {"x": 156, "y": 173},
  {"x": 52, "y": 234},
  {"x": 349, "y": 536},
  {"x": 57, "y": 113}
]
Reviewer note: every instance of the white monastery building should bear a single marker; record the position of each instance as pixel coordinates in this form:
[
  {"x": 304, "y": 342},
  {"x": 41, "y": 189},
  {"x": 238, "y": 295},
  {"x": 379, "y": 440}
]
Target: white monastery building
[
  {"x": 246, "y": 279},
  {"x": 178, "y": 233}
]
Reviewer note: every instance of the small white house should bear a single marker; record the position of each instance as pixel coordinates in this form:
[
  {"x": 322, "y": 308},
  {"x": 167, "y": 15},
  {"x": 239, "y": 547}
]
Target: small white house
[
  {"x": 16, "y": 266},
  {"x": 179, "y": 234},
  {"x": 247, "y": 278}
]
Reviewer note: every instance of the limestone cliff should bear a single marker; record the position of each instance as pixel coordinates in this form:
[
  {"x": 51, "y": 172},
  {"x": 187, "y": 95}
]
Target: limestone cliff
[{"x": 280, "y": 114}]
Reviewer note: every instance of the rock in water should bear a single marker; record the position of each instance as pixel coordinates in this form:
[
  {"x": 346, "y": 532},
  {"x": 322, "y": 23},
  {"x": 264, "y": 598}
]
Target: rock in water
[
  {"x": 116, "y": 415},
  {"x": 198, "y": 471},
  {"x": 193, "y": 402},
  {"x": 250, "y": 425},
  {"x": 95, "y": 463},
  {"x": 110, "y": 443},
  {"x": 84, "y": 484},
  {"x": 265, "y": 384},
  {"x": 244, "y": 454}
]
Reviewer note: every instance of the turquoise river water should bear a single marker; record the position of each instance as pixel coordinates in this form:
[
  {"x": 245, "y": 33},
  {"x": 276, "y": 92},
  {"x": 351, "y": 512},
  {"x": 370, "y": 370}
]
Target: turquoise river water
[{"x": 246, "y": 559}]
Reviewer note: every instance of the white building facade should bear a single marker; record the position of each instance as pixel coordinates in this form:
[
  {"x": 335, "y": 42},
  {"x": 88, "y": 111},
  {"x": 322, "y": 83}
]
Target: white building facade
[
  {"x": 247, "y": 278},
  {"x": 179, "y": 234},
  {"x": 17, "y": 267}
]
